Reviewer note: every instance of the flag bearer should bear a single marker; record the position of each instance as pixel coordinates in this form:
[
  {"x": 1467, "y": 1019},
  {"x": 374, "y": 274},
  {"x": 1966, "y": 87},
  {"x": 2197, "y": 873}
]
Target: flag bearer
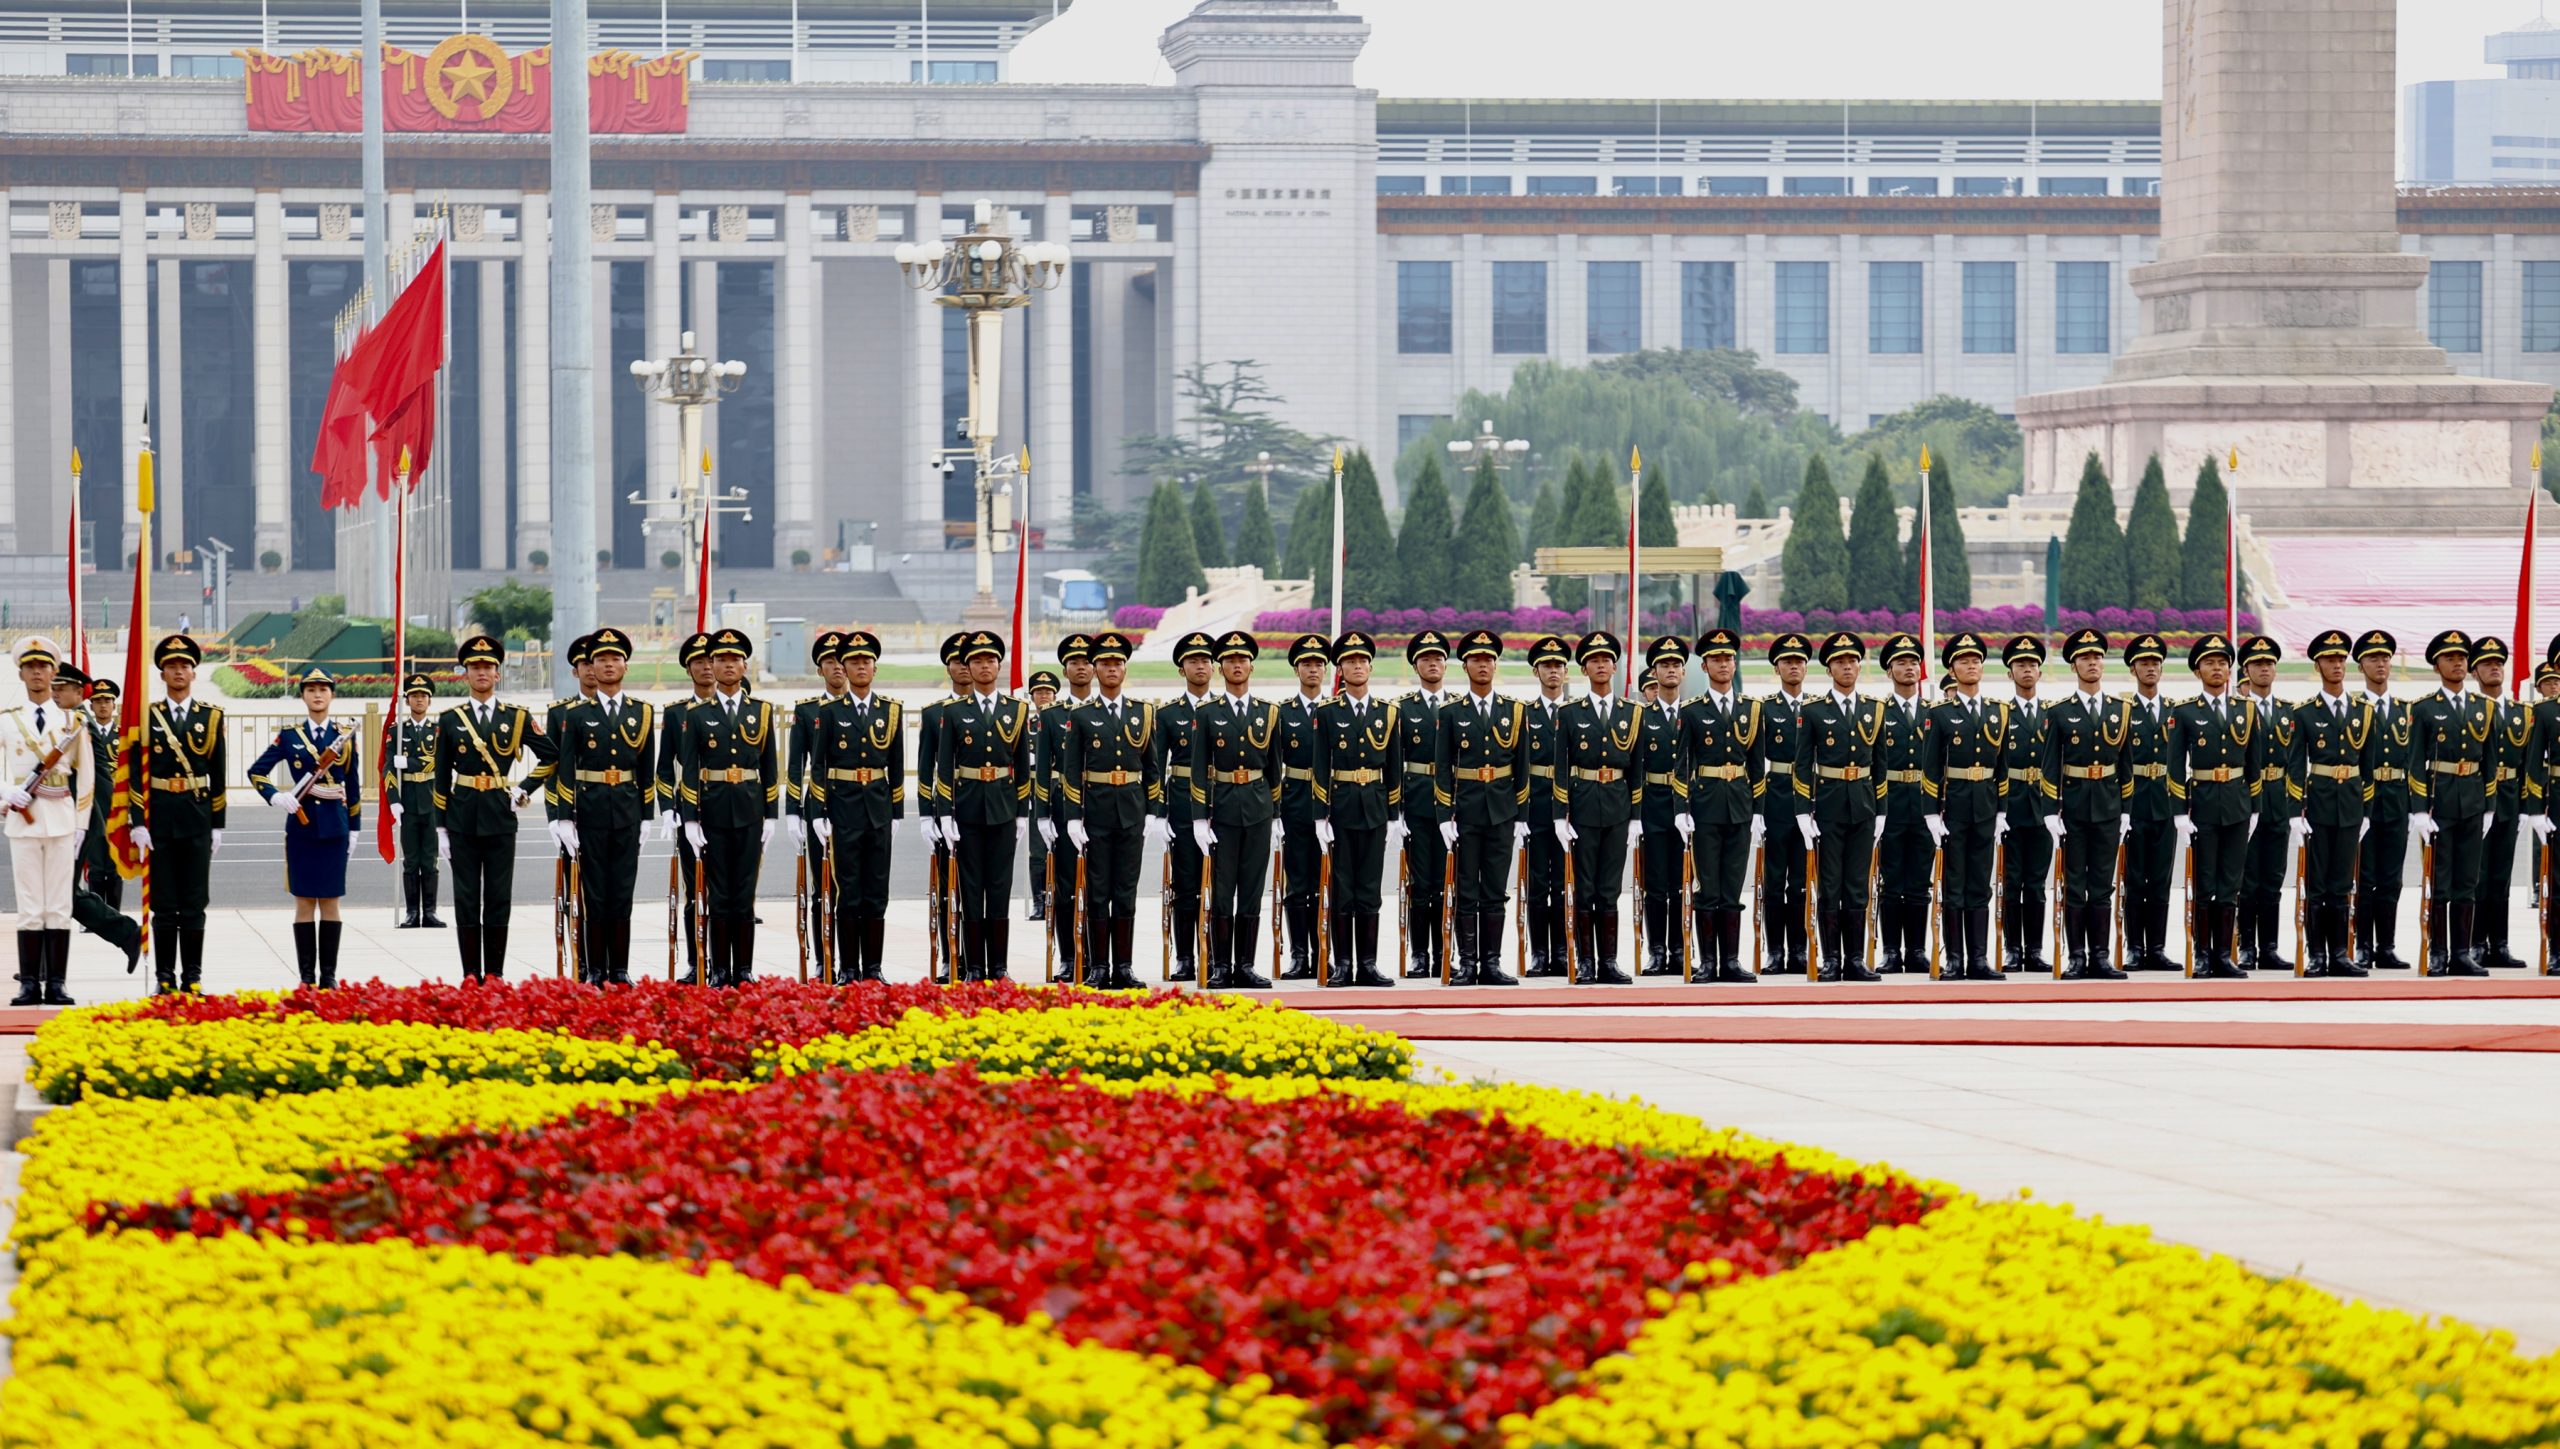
[
  {"x": 1838, "y": 750},
  {"x": 1906, "y": 856},
  {"x": 2510, "y": 744},
  {"x": 96, "y": 889},
  {"x": 2032, "y": 811},
  {"x": 2384, "y": 854},
  {"x": 413, "y": 802},
  {"x": 1048, "y": 795},
  {"x": 1301, "y": 858}
]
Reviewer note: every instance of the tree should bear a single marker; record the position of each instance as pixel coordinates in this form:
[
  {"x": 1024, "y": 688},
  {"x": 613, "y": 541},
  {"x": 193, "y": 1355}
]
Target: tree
[
  {"x": 1947, "y": 560},
  {"x": 1254, "y": 542},
  {"x": 2153, "y": 568},
  {"x": 1424, "y": 544},
  {"x": 1877, "y": 576},
  {"x": 1991, "y": 445},
  {"x": 511, "y": 607},
  {"x": 1546, "y": 518},
  {"x": 1757, "y": 505},
  {"x": 1655, "y": 527},
  {"x": 1368, "y": 541},
  {"x": 2208, "y": 529},
  {"x": 1593, "y": 518},
  {"x": 2093, "y": 569},
  {"x": 1232, "y": 421},
  {"x": 1729, "y": 374},
  {"x": 1488, "y": 546},
  {"x": 1816, "y": 559},
  {"x": 1206, "y": 534},
  {"x": 1168, "y": 554},
  {"x": 1310, "y": 534}
]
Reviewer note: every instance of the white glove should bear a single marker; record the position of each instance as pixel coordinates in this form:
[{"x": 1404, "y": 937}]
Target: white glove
[
  {"x": 444, "y": 845},
  {"x": 2124, "y": 824},
  {"x": 2186, "y": 827},
  {"x": 1204, "y": 836},
  {"x": 1937, "y": 829},
  {"x": 1999, "y": 826},
  {"x": 1048, "y": 835},
  {"x": 2540, "y": 825},
  {"x": 2364, "y": 828},
  {"x": 397, "y": 810},
  {"x": 217, "y": 846},
  {"x": 769, "y": 823},
  {"x": 1810, "y": 828},
  {"x": 142, "y": 839},
  {"x": 1759, "y": 828},
  {"x": 1880, "y": 824},
  {"x": 930, "y": 829},
  {"x": 1395, "y": 834},
  {"x": 2298, "y": 830},
  {"x": 2423, "y": 824},
  {"x": 1635, "y": 828},
  {"x": 1077, "y": 833},
  {"x": 1519, "y": 834},
  {"x": 1564, "y": 834},
  {"x": 399, "y": 762},
  {"x": 1449, "y": 834},
  {"x": 826, "y": 830},
  {"x": 950, "y": 830},
  {"x": 565, "y": 834},
  {"x": 351, "y": 845},
  {"x": 16, "y": 799},
  {"x": 1324, "y": 835},
  {"x": 667, "y": 826},
  {"x": 2485, "y": 822},
  {"x": 1689, "y": 825},
  {"x": 524, "y": 797},
  {"x": 1021, "y": 829},
  {"x": 1159, "y": 830},
  {"x": 693, "y": 834},
  {"x": 2053, "y": 826}
]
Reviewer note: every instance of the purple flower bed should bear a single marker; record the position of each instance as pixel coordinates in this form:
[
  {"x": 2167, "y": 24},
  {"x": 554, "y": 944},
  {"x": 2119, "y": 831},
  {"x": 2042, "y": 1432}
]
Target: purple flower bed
[{"x": 1136, "y": 616}]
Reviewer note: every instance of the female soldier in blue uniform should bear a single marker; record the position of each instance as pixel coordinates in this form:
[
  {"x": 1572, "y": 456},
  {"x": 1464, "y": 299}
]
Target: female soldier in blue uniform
[{"x": 323, "y": 824}]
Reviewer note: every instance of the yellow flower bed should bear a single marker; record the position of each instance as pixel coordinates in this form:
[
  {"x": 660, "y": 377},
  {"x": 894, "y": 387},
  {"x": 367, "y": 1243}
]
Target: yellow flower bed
[
  {"x": 2013, "y": 1324},
  {"x": 127, "y": 1340},
  {"x": 96, "y": 1054},
  {"x": 125, "y": 1151},
  {"x": 1112, "y": 1042}
]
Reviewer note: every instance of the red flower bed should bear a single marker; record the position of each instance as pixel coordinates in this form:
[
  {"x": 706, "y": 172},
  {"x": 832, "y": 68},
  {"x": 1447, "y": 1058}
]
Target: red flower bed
[
  {"x": 716, "y": 1032},
  {"x": 1415, "y": 1278}
]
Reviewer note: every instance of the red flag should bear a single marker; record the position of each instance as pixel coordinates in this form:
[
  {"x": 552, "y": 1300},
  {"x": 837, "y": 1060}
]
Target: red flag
[
  {"x": 337, "y": 454},
  {"x": 2519, "y": 679},
  {"x": 132, "y": 777},
  {"x": 405, "y": 350},
  {"x": 386, "y": 835}
]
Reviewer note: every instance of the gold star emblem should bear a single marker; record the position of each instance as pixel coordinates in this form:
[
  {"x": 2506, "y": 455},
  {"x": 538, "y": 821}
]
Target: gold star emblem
[
  {"x": 468, "y": 67},
  {"x": 468, "y": 77}
]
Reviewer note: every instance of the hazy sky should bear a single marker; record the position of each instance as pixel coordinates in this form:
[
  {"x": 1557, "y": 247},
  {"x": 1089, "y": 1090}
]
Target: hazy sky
[{"x": 2103, "y": 49}]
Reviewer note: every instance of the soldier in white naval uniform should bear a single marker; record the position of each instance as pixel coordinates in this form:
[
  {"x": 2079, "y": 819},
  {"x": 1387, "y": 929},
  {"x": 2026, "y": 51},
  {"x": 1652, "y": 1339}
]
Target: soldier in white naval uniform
[{"x": 47, "y": 771}]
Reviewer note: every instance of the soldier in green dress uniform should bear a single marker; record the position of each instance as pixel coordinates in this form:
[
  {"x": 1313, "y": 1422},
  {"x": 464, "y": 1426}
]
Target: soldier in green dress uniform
[
  {"x": 1596, "y": 772},
  {"x": 605, "y": 792},
  {"x": 982, "y": 763},
  {"x": 1235, "y": 792},
  {"x": 1838, "y": 749},
  {"x": 1483, "y": 777},
  {"x": 1301, "y": 858},
  {"x": 2510, "y": 746},
  {"x": 2449, "y": 732},
  {"x": 2032, "y": 812},
  {"x": 2540, "y": 780},
  {"x": 729, "y": 793},
  {"x": 1195, "y": 654},
  {"x": 2270, "y": 858},
  {"x": 2150, "y": 815},
  {"x": 1110, "y": 773},
  {"x": 2384, "y": 855},
  {"x": 858, "y": 783},
  {"x": 2328, "y": 775},
  {"x": 96, "y": 889},
  {"x": 1660, "y": 792},
  {"x": 478, "y": 743},
  {"x": 1720, "y": 734},
  {"x": 413, "y": 801},
  {"x": 1415, "y": 835},
  {"x": 1360, "y": 782},
  {"x": 1048, "y": 792},
  {"x": 2086, "y": 738},
  {"x": 1966, "y": 758},
  {"x": 800, "y": 823},
  {"x": 1905, "y": 854},
  {"x": 694, "y": 654},
  {"x": 2219, "y": 744},
  {"x": 1042, "y": 689},
  {"x": 1786, "y": 803},
  {"x": 1544, "y": 910}
]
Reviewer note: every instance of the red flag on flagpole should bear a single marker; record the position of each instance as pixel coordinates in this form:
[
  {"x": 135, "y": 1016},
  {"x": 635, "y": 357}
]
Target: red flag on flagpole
[
  {"x": 398, "y": 383},
  {"x": 2519, "y": 676},
  {"x": 702, "y": 563},
  {"x": 1021, "y": 579},
  {"x": 1635, "y": 566},
  {"x": 132, "y": 777},
  {"x": 78, "y": 643},
  {"x": 386, "y": 833}
]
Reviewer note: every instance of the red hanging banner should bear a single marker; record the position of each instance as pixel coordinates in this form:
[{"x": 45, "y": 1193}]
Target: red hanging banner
[{"x": 468, "y": 84}]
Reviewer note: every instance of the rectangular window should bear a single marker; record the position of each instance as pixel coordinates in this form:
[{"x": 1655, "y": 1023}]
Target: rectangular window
[
  {"x": 1817, "y": 186},
  {"x": 2080, "y": 306},
  {"x": 2142, "y": 186},
  {"x": 2071, "y": 186},
  {"x": 1893, "y": 307},
  {"x": 206, "y": 67},
  {"x": 1564, "y": 186},
  {"x": 1902, "y": 186},
  {"x": 1987, "y": 186},
  {"x": 1613, "y": 314},
  {"x": 1646, "y": 186},
  {"x": 1401, "y": 185},
  {"x": 1991, "y": 306},
  {"x": 1519, "y": 306},
  {"x": 2453, "y": 305},
  {"x": 1706, "y": 304},
  {"x": 770, "y": 71},
  {"x": 947, "y": 72},
  {"x": 2542, "y": 306},
  {"x": 1737, "y": 186},
  {"x": 1804, "y": 306},
  {"x": 1422, "y": 307},
  {"x": 1475, "y": 186},
  {"x": 104, "y": 63}
]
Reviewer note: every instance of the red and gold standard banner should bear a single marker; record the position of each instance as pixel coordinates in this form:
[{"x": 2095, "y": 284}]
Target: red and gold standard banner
[{"x": 467, "y": 83}]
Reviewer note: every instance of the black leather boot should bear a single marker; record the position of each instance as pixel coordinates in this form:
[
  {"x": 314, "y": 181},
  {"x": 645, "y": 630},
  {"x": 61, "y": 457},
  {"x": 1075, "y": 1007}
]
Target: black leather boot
[
  {"x": 493, "y": 953},
  {"x": 1604, "y": 950},
  {"x": 427, "y": 898},
  {"x": 2155, "y": 937},
  {"x": 330, "y": 933},
  {"x": 164, "y": 963},
  {"x": 1973, "y": 929},
  {"x": 1220, "y": 928},
  {"x": 466, "y": 944},
  {"x": 1661, "y": 948},
  {"x": 409, "y": 901},
  {"x": 1124, "y": 954},
  {"x": 2342, "y": 959},
  {"x": 2031, "y": 936},
  {"x": 58, "y": 967},
  {"x": 1826, "y": 959},
  {"x": 1489, "y": 970},
  {"x": 31, "y": 968},
  {"x": 1542, "y": 958},
  {"x": 2317, "y": 952},
  {"x": 1186, "y": 943},
  {"x": 2463, "y": 956},
  {"x": 995, "y": 941},
  {"x": 1853, "y": 948},
  {"x": 2097, "y": 936},
  {"x": 2243, "y": 948},
  {"x": 1421, "y": 940},
  {"x": 2270, "y": 935},
  {"x": 2214, "y": 953},
  {"x": 1364, "y": 928},
  {"x": 306, "y": 951},
  {"x": 1298, "y": 924},
  {"x": 191, "y": 959},
  {"x": 1039, "y": 901},
  {"x": 1244, "y": 935}
]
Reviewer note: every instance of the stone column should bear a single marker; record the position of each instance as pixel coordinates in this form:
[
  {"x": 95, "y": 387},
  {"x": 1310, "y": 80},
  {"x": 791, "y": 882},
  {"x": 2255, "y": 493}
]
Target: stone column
[
  {"x": 665, "y": 328},
  {"x": 493, "y": 415},
  {"x": 1569, "y": 302},
  {"x": 169, "y": 530},
  {"x": 134, "y": 358},
  {"x": 1184, "y": 314},
  {"x": 9, "y": 479},
  {"x": 533, "y": 379},
  {"x": 57, "y": 401},
  {"x": 925, "y": 434},
  {"x": 795, "y": 363},
  {"x": 271, "y": 352},
  {"x": 1053, "y": 416}
]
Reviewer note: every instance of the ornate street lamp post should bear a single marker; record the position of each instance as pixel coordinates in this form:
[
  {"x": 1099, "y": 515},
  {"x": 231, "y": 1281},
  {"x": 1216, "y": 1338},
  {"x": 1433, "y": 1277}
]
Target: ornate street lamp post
[{"x": 691, "y": 382}]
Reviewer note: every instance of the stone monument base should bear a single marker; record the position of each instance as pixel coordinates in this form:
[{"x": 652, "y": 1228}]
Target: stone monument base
[{"x": 2340, "y": 454}]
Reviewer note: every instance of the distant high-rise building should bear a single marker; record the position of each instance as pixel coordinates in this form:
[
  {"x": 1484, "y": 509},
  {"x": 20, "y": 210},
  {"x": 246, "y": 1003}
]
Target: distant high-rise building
[{"x": 2497, "y": 132}]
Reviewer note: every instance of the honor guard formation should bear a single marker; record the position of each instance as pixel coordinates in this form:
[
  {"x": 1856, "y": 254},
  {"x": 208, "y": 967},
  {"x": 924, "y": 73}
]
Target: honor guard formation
[{"x": 1824, "y": 830}]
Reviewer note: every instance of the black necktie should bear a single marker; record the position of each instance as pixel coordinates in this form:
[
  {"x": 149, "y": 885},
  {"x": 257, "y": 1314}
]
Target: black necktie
[{"x": 39, "y": 719}]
